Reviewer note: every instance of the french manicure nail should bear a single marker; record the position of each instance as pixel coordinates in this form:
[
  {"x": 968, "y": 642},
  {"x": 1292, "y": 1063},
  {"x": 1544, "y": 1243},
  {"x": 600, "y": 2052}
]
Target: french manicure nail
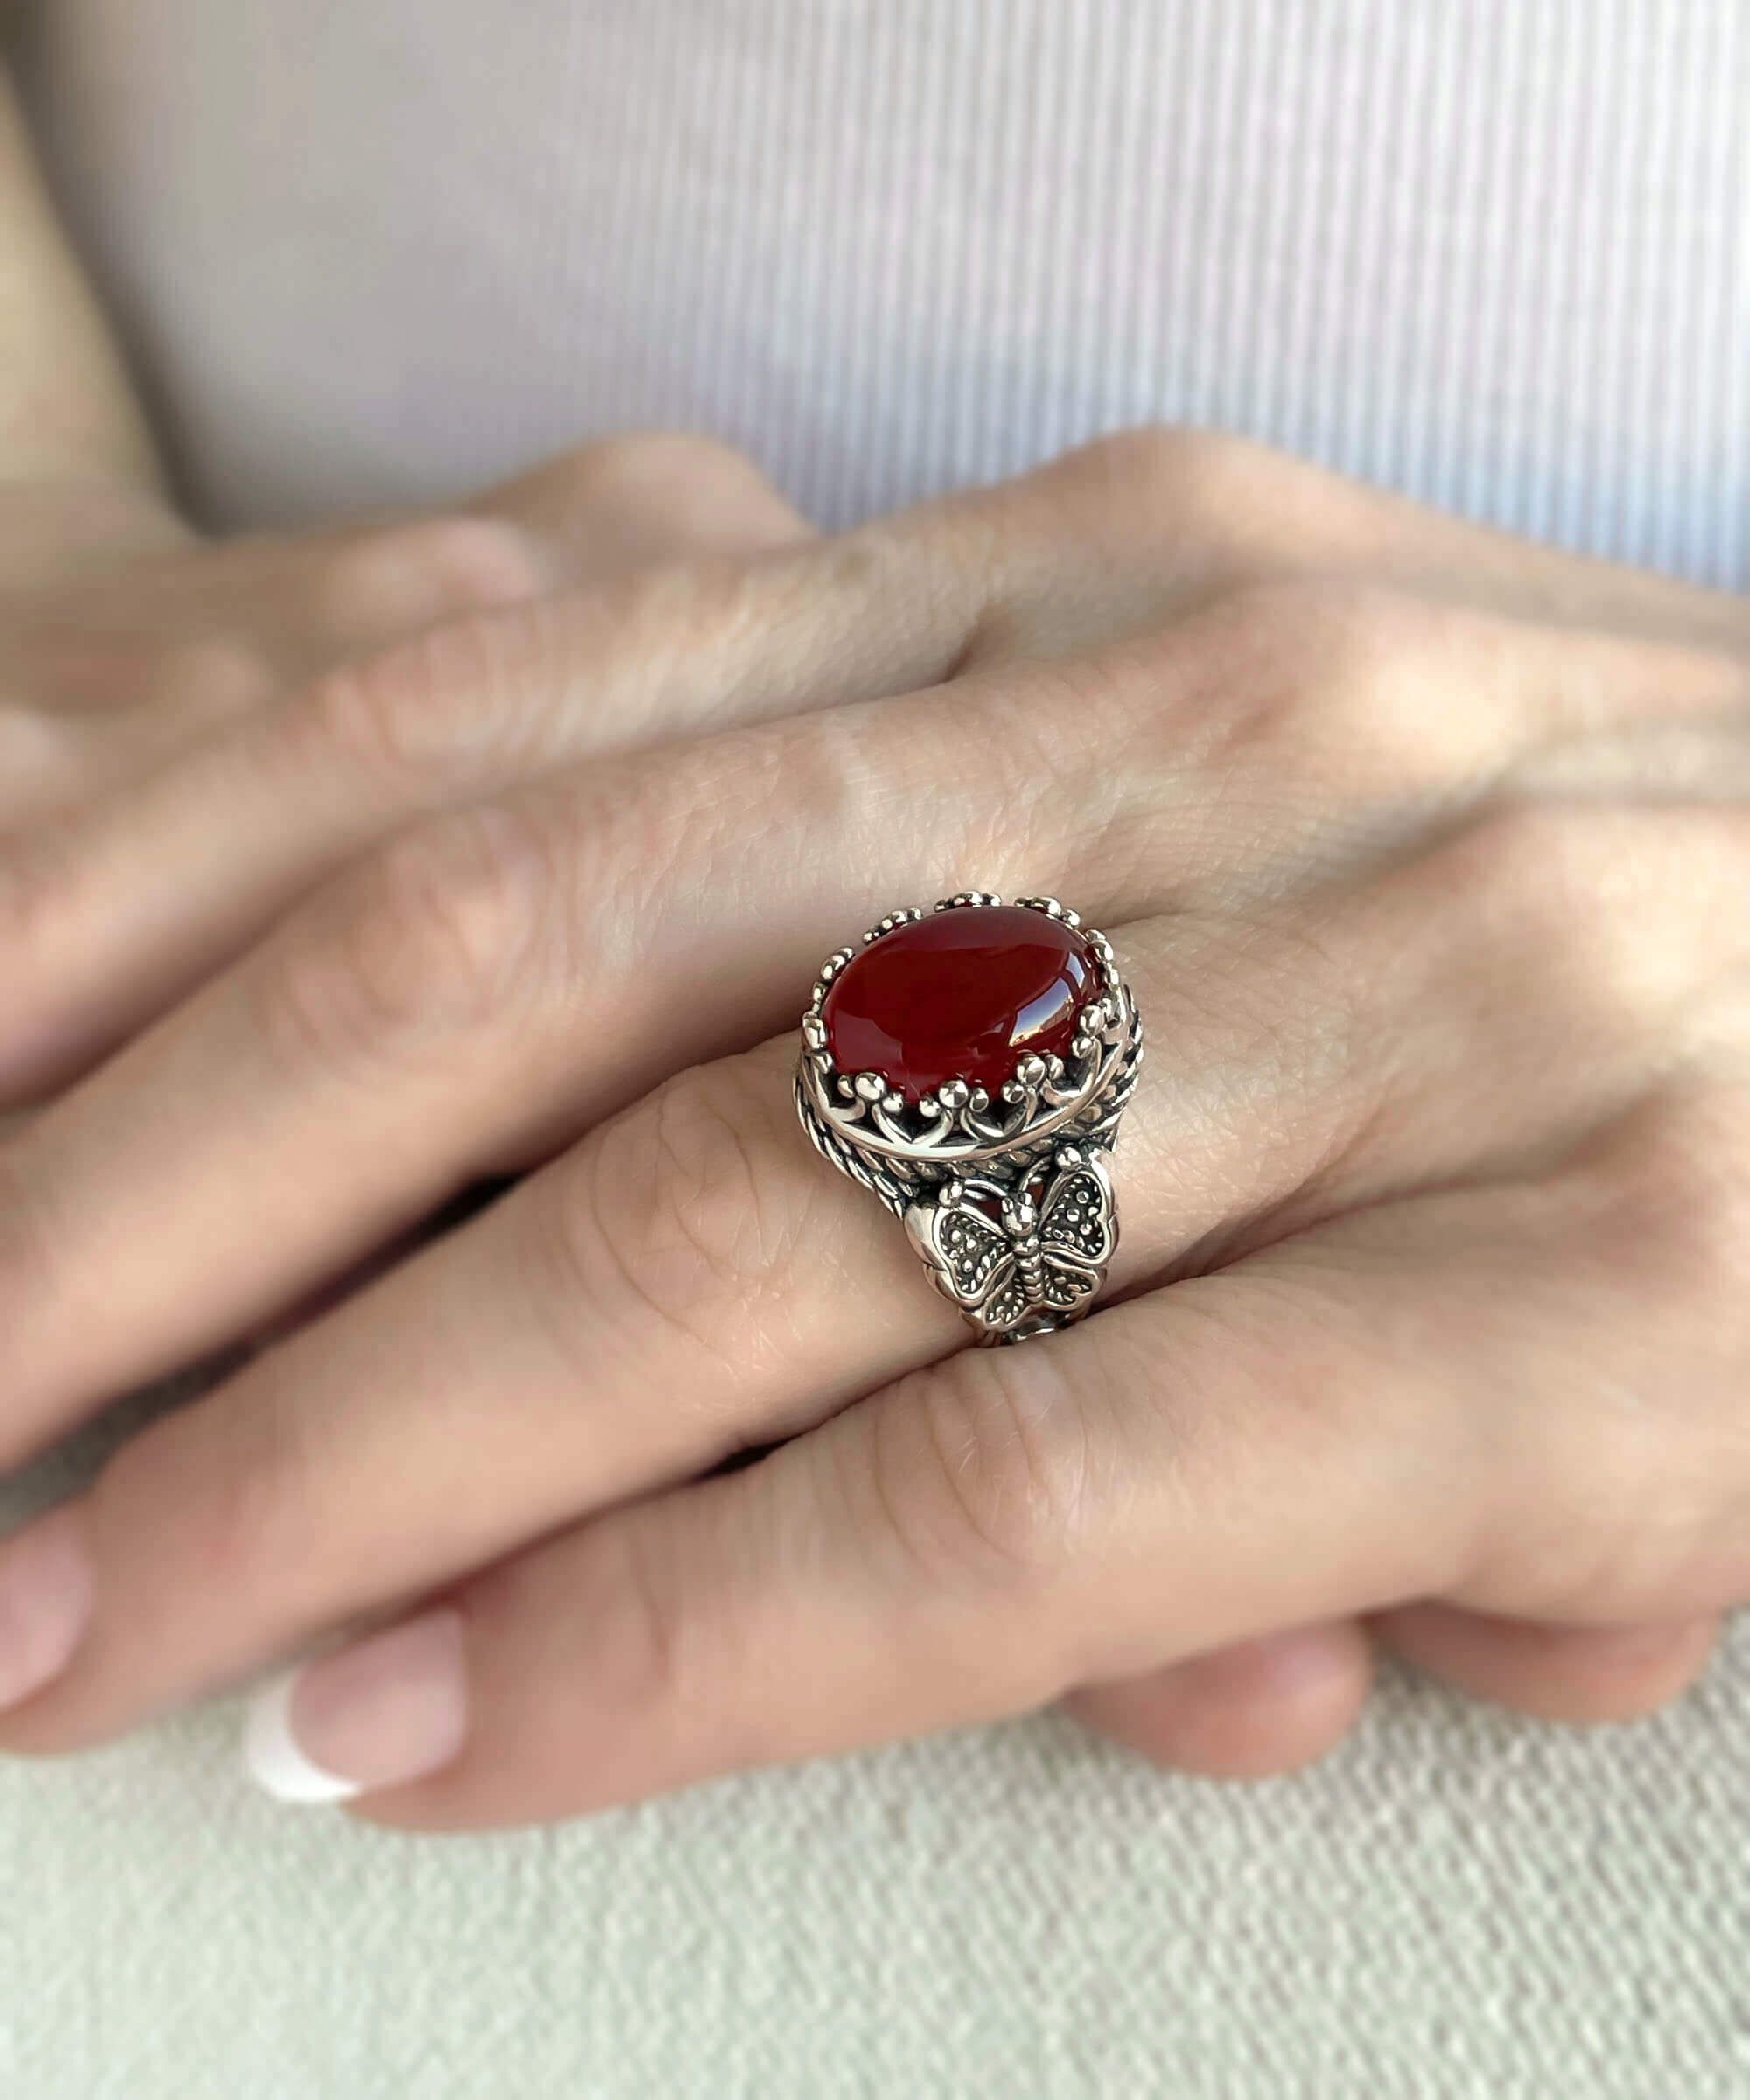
[
  {"x": 46, "y": 1594},
  {"x": 391, "y": 1707}
]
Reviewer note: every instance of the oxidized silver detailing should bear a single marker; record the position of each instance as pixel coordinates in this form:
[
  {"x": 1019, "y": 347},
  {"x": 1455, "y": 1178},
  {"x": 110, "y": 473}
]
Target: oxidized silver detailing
[{"x": 1009, "y": 1200}]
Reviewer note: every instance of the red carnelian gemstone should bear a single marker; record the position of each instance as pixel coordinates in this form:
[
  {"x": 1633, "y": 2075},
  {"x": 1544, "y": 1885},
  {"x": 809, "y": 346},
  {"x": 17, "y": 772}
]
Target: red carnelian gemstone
[{"x": 961, "y": 994}]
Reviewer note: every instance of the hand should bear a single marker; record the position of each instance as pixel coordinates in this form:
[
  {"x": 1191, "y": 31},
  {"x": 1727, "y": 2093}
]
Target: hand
[
  {"x": 1425, "y": 854},
  {"x": 165, "y": 695}
]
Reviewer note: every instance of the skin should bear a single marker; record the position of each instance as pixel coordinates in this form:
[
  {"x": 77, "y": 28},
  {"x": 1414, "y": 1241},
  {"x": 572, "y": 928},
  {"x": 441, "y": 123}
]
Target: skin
[{"x": 344, "y": 873}]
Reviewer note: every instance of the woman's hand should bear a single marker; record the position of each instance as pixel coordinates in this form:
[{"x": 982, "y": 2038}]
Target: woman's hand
[
  {"x": 164, "y": 697},
  {"x": 1425, "y": 854}
]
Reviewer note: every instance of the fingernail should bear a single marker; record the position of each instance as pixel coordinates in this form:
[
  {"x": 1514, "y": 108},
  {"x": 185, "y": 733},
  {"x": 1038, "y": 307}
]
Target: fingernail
[
  {"x": 392, "y": 1707},
  {"x": 46, "y": 1594}
]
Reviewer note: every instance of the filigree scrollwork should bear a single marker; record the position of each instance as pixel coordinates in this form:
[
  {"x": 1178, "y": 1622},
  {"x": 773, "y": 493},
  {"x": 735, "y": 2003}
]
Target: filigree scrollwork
[
  {"x": 961, "y": 1121},
  {"x": 969, "y": 1169}
]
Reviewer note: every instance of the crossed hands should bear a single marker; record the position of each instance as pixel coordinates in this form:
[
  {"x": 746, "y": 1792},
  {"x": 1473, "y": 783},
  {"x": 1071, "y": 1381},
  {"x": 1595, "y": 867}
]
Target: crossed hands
[{"x": 346, "y": 874}]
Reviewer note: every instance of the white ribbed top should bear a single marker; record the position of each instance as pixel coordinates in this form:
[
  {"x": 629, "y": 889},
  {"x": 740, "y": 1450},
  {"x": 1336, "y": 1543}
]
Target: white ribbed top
[{"x": 1495, "y": 253}]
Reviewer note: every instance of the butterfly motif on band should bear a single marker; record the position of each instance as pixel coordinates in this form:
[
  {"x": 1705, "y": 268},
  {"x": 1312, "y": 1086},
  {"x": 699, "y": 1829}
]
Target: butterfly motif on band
[{"x": 1004, "y": 1254}]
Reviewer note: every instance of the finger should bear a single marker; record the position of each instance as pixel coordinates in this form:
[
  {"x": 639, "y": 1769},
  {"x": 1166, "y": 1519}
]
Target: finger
[
  {"x": 1556, "y": 1673},
  {"x": 1188, "y": 1470},
  {"x": 1249, "y": 1711}
]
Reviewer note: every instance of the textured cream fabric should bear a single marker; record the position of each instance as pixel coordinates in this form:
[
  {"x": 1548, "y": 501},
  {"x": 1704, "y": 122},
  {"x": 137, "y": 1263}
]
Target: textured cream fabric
[
  {"x": 1491, "y": 251},
  {"x": 1456, "y": 1907}
]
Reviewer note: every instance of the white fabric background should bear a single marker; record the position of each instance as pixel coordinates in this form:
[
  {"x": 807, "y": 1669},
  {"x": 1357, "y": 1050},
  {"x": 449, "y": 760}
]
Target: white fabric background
[{"x": 1493, "y": 252}]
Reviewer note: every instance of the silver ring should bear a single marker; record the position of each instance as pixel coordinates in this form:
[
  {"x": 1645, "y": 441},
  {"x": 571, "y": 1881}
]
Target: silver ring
[{"x": 969, "y": 1065}]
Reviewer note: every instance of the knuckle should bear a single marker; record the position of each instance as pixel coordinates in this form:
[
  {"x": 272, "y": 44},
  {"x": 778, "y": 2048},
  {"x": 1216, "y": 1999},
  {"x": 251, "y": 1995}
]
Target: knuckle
[
  {"x": 680, "y": 468},
  {"x": 1170, "y": 494},
  {"x": 428, "y": 571},
  {"x": 642, "y": 1652},
  {"x": 415, "y": 713},
  {"x": 980, "y": 1465},
  {"x": 1241, "y": 510},
  {"x": 1627, "y": 912},
  {"x": 651, "y": 620},
  {"x": 425, "y": 943},
  {"x": 1247, "y": 512},
  {"x": 688, "y": 641},
  {"x": 685, "y": 608},
  {"x": 1636, "y": 1465},
  {"x": 667, "y": 1637},
  {"x": 683, "y": 1207},
  {"x": 1523, "y": 845},
  {"x": 628, "y": 502},
  {"x": 1532, "y": 873},
  {"x": 1348, "y": 685},
  {"x": 1175, "y": 494},
  {"x": 1182, "y": 474}
]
